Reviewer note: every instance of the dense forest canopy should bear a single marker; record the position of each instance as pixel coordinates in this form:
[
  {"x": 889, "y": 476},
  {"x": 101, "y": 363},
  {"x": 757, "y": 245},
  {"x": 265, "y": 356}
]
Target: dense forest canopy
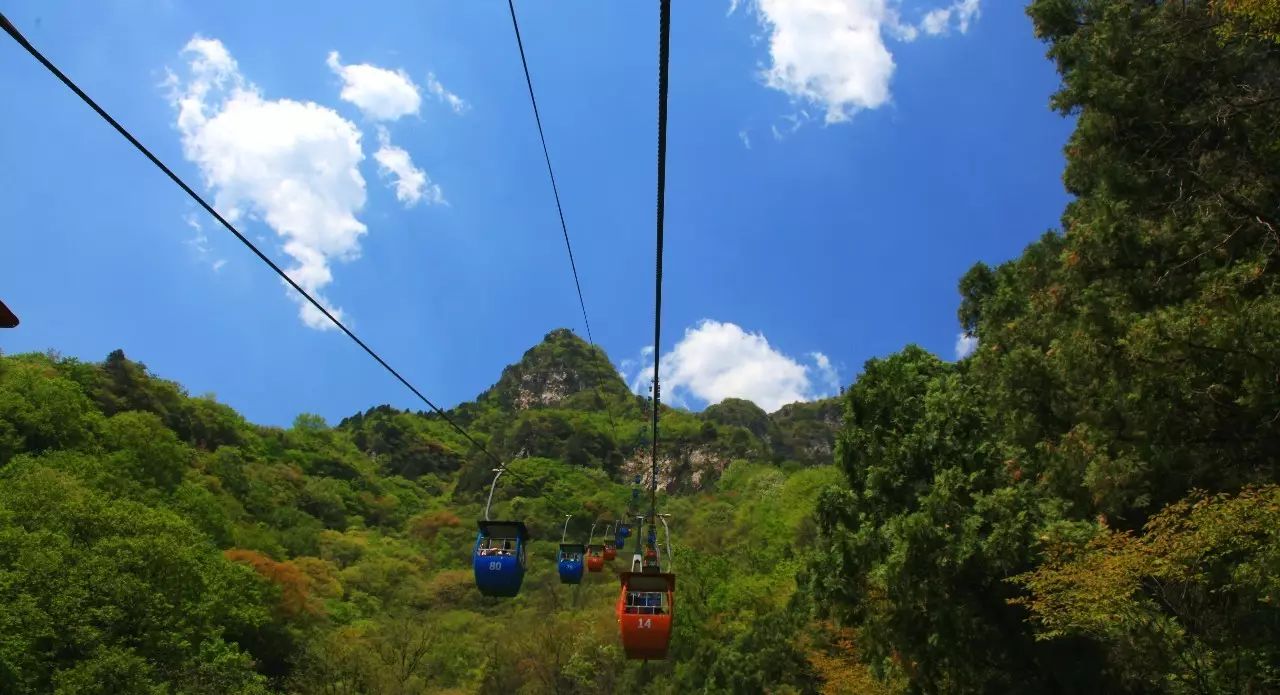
[
  {"x": 151, "y": 541},
  {"x": 1088, "y": 503}
]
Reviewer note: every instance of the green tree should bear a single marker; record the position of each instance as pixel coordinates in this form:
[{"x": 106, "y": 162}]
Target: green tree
[
  {"x": 1192, "y": 605},
  {"x": 40, "y": 410},
  {"x": 145, "y": 451},
  {"x": 916, "y": 548},
  {"x": 112, "y": 596}
]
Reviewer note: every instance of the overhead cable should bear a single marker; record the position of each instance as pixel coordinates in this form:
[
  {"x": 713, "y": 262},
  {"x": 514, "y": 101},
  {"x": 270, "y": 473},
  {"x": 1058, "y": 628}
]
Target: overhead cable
[
  {"x": 22, "y": 40},
  {"x": 550, "y": 172},
  {"x": 664, "y": 54}
]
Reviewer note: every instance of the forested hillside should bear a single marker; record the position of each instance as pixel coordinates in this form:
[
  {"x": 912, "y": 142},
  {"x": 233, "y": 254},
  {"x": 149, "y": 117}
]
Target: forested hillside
[
  {"x": 1087, "y": 504},
  {"x": 152, "y": 540}
]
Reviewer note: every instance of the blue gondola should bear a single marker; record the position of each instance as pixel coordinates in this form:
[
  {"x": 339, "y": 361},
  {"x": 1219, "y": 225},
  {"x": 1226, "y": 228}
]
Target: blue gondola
[
  {"x": 570, "y": 565},
  {"x": 499, "y": 557}
]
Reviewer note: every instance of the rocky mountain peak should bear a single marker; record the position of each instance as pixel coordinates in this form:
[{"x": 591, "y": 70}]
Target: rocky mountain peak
[{"x": 552, "y": 371}]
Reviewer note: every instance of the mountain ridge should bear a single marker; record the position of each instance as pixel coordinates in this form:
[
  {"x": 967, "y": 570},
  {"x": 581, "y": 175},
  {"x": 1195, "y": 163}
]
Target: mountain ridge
[{"x": 563, "y": 399}]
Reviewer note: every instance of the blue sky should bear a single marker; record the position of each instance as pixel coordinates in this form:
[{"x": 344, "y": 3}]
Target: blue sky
[{"x": 830, "y": 177}]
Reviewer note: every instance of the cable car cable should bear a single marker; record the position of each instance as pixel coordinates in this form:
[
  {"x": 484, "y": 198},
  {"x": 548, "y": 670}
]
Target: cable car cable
[
  {"x": 22, "y": 40},
  {"x": 62, "y": 77},
  {"x": 550, "y": 172},
  {"x": 555, "y": 189},
  {"x": 664, "y": 54}
]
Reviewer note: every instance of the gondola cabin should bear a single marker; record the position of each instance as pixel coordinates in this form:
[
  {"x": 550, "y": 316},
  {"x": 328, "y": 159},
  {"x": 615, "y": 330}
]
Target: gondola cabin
[
  {"x": 610, "y": 551},
  {"x": 570, "y": 564},
  {"x": 619, "y": 541},
  {"x": 499, "y": 557},
  {"x": 7, "y": 318},
  {"x": 595, "y": 557},
  {"x": 646, "y": 608}
]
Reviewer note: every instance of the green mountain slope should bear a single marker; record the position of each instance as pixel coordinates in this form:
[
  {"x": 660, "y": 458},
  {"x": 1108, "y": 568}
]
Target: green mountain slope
[
  {"x": 564, "y": 400},
  {"x": 196, "y": 551}
]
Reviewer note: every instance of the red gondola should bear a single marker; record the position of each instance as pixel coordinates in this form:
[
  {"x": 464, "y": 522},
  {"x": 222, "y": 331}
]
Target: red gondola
[
  {"x": 646, "y": 610},
  {"x": 595, "y": 558},
  {"x": 610, "y": 551}
]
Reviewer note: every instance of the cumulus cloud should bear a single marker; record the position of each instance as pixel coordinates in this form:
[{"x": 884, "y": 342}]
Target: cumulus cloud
[
  {"x": 379, "y": 93},
  {"x": 828, "y": 52},
  {"x": 832, "y": 53},
  {"x": 936, "y": 21},
  {"x": 827, "y": 373},
  {"x": 626, "y": 367},
  {"x": 437, "y": 90},
  {"x": 940, "y": 21},
  {"x": 965, "y": 345},
  {"x": 294, "y": 165},
  {"x": 410, "y": 183},
  {"x": 716, "y": 360}
]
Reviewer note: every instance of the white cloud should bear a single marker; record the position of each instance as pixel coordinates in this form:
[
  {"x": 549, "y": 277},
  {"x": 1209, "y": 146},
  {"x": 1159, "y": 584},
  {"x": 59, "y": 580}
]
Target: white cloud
[
  {"x": 380, "y": 94},
  {"x": 437, "y": 90},
  {"x": 411, "y": 183},
  {"x": 292, "y": 164},
  {"x": 625, "y": 367},
  {"x": 638, "y": 373},
  {"x": 966, "y": 12},
  {"x": 745, "y": 138},
  {"x": 965, "y": 345},
  {"x": 717, "y": 360},
  {"x": 827, "y": 372},
  {"x": 828, "y": 52},
  {"x": 200, "y": 241},
  {"x": 832, "y": 53},
  {"x": 938, "y": 22}
]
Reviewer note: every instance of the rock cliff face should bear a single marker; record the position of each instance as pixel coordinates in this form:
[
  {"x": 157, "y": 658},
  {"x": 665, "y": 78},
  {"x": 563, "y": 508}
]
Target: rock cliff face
[
  {"x": 551, "y": 371},
  {"x": 681, "y": 470},
  {"x": 543, "y": 389}
]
